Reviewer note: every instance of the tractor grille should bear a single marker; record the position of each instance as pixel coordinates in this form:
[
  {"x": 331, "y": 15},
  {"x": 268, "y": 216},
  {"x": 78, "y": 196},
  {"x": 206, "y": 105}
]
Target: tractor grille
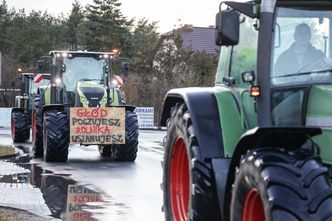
[{"x": 93, "y": 94}]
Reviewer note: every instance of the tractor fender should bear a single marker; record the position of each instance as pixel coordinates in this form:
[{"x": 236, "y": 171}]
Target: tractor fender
[
  {"x": 203, "y": 108},
  {"x": 18, "y": 109},
  {"x": 21, "y": 101},
  {"x": 288, "y": 138},
  {"x": 17, "y": 101},
  {"x": 57, "y": 107}
]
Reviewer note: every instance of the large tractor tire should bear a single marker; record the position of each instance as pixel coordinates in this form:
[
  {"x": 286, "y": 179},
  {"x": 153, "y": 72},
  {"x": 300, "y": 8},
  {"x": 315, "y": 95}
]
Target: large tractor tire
[
  {"x": 280, "y": 185},
  {"x": 56, "y": 136},
  {"x": 20, "y": 127},
  {"x": 37, "y": 128},
  {"x": 189, "y": 189},
  {"x": 128, "y": 151}
]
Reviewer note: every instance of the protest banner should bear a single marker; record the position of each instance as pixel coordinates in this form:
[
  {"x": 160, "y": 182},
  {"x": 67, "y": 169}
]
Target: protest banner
[{"x": 97, "y": 125}]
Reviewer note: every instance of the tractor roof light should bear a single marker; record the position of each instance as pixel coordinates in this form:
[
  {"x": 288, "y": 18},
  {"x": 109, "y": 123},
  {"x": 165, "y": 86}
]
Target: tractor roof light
[
  {"x": 115, "y": 50},
  {"x": 255, "y": 91},
  {"x": 19, "y": 70},
  {"x": 64, "y": 54}
]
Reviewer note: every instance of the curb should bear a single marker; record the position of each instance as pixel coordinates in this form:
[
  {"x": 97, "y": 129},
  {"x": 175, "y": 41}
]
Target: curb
[
  {"x": 36, "y": 215},
  {"x": 8, "y": 156}
]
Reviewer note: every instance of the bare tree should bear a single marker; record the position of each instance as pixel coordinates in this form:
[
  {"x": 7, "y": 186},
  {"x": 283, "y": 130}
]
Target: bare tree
[
  {"x": 7, "y": 92},
  {"x": 173, "y": 69}
]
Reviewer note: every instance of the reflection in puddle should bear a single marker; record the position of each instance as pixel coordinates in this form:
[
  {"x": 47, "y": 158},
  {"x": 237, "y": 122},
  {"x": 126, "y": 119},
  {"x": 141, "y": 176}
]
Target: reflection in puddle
[
  {"x": 77, "y": 198},
  {"x": 65, "y": 199}
]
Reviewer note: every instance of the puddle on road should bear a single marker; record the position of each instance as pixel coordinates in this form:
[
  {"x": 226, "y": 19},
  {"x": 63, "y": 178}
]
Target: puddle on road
[{"x": 64, "y": 198}]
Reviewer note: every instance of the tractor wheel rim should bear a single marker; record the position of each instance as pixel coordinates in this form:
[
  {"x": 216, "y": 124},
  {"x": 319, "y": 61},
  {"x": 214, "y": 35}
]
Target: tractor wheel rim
[
  {"x": 253, "y": 209},
  {"x": 179, "y": 180},
  {"x": 13, "y": 128}
]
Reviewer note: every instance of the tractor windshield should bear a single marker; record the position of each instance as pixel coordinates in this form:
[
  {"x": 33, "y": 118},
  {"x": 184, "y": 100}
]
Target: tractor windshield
[
  {"x": 82, "y": 69},
  {"x": 301, "y": 53}
]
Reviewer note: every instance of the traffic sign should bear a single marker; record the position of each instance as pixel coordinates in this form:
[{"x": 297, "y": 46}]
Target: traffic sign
[{"x": 118, "y": 79}]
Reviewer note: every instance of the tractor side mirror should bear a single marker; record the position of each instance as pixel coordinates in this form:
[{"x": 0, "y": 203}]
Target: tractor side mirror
[
  {"x": 13, "y": 83},
  {"x": 41, "y": 65},
  {"x": 227, "y": 28},
  {"x": 63, "y": 68},
  {"x": 19, "y": 74},
  {"x": 125, "y": 68}
]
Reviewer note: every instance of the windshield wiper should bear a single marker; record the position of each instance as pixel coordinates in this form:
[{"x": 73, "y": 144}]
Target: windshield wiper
[
  {"x": 299, "y": 73},
  {"x": 304, "y": 73}
]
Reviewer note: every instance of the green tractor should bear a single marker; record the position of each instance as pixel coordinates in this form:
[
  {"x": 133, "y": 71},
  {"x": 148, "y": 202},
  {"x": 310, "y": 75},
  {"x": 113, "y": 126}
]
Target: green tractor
[
  {"x": 257, "y": 145},
  {"x": 80, "y": 79},
  {"x": 21, "y": 113}
]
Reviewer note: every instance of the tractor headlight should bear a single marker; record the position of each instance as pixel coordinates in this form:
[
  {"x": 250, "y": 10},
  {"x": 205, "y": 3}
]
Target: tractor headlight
[
  {"x": 114, "y": 83},
  {"x": 103, "y": 101},
  {"x": 57, "y": 80}
]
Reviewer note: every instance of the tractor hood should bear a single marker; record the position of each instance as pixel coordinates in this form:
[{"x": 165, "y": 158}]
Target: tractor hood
[{"x": 91, "y": 93}]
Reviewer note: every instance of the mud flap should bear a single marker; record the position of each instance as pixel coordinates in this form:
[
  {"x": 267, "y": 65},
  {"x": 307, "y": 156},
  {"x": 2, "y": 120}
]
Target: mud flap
[{"x": 220, "y": 169}]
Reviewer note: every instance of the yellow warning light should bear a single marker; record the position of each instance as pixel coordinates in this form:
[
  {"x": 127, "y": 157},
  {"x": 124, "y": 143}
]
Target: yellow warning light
[
  {"x": 255, "y": 91},
  {"x": 115, "y": 50}
]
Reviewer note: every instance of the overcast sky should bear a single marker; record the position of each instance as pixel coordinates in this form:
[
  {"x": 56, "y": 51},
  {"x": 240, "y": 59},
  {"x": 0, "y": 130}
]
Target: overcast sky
[{"x": 167, "y": 12}]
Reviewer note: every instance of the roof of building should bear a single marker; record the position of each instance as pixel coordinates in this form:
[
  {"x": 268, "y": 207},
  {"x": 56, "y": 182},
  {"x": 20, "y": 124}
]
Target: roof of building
[{"x": 197, "y": 38}]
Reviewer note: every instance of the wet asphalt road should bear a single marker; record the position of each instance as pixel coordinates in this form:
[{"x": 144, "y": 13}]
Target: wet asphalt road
[{"x": 129, "y": 191}]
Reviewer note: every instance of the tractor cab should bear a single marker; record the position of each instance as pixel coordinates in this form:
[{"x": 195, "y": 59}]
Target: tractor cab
[
  {"x": 256, "y": 146},
  {"x": 31, "y": 82},
  {"x": 280, "y": 54},
  {"x": 29, "y": 85},
  {"x": 81, "y": 79}
]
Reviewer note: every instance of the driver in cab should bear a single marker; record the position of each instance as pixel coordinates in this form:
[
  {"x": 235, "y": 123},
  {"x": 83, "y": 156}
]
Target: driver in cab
[{"x": 301, "y": 56}]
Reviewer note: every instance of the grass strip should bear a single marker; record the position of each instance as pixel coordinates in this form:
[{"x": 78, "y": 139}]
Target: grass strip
[{"x": 5, "y": 150}]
